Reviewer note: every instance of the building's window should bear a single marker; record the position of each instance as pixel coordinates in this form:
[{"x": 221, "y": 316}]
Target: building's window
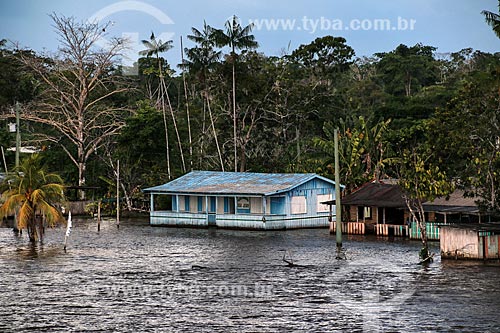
[
  {"x": 186, "y": 204},
  {"x": 174, "y": 203},
  {"x": 322, "y": 198},
  {"x": 243, "y": 205},
  {"x": 163, "y": 202},
  {"x": 367, "y": 213},
  {"x": 277, "y": 205},
  {"x": 200, "y": 204},
  {"x": 299, "y": 205},
  {"x": 364, "y": 213},
  {"x": 228, "y": 205}
]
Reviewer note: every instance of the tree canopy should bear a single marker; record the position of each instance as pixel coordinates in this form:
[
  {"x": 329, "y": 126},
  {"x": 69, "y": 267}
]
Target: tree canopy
[{"x": 233, "y": 106}]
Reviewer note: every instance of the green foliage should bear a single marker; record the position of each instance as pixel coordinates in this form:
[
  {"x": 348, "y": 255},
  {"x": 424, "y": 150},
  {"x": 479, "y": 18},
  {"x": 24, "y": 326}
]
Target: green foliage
[
  {"x": 406, "y": 70},
  {"x": 408, "y": 112},
  {"x": 421, "y": 180},
  {"x": 235, "y": 36},
  {"x": 425, "y": 255},
  {"x": 326, "y": 56},
  {"x": 140, "y": 145},
  {"x": 361, "y": 148},
  {"x": 493, "y": 20},
  {"x": 467, "y": 139},
  {"x": 16, "y": 84}
]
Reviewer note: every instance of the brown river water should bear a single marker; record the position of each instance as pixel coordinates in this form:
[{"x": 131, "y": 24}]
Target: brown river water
[{"x": 140, "y": 278}]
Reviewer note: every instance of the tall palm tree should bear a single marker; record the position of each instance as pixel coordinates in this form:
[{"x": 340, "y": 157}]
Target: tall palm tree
[
  {"x": 153, "y": 48},
  {"x": 32, "y": 193},
  {"x": 493, "y": 20},
  {"x": 201, "y": 59},
  {"x": 206, "y": 38},
  {"x": 237, "y": 38}
]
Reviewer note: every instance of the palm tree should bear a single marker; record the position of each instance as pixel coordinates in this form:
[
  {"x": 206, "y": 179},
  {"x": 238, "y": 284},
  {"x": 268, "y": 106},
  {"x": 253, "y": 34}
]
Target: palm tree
[
  {"x": 493, "y": 20},
  {"x": 201, "y": 59},
  {"x": 155, "y": 47},
  {"x": 32, "y": 192},
  {"x": 237, "y": 38}
]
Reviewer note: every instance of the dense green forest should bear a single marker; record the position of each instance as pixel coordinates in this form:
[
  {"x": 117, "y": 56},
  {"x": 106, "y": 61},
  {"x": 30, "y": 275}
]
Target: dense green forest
[{"x": 430, "y": 119}]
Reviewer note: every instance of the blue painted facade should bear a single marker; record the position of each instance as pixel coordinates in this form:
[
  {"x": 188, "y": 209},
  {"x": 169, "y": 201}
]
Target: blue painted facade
[{"x": 244, "y": 200}]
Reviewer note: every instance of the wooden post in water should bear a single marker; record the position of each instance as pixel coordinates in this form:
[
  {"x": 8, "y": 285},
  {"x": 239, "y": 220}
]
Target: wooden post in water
[
  {"x": 69, "y": 225},
  {"x": 338, "y": 207},
  {"x": 99, "y": 216},
  {"x": 330, "y": 219},
  {"x": 118, "y": 194}
]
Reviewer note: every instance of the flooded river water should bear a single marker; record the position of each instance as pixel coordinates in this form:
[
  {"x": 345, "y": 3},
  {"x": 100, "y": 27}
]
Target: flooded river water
[{"x": 143, "y": 279}]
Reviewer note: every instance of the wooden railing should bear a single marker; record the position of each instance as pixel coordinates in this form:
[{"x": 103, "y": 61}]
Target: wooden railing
[
  {"x": 351, "y": 228},
  {"x": 432, "y": 229},
  {"x": 392, "y": 229}
]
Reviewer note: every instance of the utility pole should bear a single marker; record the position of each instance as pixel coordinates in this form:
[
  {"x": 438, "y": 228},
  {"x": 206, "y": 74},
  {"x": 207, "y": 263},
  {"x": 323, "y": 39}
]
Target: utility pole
[
  {"x": 18, "y": 134},
  {"x": 338, "y": 207},
  {"x": 18, "y": 148}
]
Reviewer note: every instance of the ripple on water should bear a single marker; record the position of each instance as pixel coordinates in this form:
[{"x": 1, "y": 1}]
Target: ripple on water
[{"x": 139, "y": 278}]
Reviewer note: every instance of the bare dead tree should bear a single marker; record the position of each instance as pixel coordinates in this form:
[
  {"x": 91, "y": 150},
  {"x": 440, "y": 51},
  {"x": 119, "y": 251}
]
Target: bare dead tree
[{"x": 78, "y": 85}]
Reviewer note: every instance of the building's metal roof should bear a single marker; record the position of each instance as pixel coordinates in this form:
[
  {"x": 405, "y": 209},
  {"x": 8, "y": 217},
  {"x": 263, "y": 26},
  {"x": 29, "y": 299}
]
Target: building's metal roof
[
  {"x": 243, "y": 183},
  {"x": 376, "y": 194},
  {"x": 455, "y": 202},
  {"x": 388, "y": 195}
]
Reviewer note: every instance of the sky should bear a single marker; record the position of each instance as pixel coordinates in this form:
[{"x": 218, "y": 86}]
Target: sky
[{"x": 369, "y": 26}]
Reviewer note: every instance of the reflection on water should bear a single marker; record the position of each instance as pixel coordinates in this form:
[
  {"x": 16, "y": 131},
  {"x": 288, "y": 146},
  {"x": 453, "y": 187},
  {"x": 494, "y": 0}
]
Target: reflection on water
[{"x": 141, "y": 278}]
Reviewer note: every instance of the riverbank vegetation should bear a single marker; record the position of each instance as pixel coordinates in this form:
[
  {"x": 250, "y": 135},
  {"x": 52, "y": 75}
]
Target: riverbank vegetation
[{"x": 412, "y": 113}]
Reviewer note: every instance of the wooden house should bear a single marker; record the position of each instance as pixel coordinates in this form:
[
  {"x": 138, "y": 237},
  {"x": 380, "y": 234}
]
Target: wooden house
[
  {"x": 453, "y": 209},
  {"x": 470, "y": 241},
  {"x": 242, "y": 200},
  {"x": 381, "y": 208}
]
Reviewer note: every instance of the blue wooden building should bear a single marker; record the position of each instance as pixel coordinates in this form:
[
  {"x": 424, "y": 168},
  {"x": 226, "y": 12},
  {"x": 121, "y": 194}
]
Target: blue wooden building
[{"x": 244, "y": 200}]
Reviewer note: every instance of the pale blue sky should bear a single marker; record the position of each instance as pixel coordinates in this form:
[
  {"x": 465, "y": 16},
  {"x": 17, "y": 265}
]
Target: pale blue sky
[{"x": 449, "y": 25}]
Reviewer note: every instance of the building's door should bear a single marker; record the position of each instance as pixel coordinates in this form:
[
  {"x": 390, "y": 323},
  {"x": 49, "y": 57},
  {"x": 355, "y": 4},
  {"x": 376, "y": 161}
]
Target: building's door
[
  {"x": 212, "y": 216},
  {"x": 212, "y": 219}
]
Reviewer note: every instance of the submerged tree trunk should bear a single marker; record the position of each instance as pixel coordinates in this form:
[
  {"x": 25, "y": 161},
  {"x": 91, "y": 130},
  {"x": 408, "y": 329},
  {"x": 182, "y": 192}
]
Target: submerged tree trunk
[
  {"x": 81, "y": 179},
  {"x": 417, "y": 213},
  {"x": 32, "y": 233},
  {"x": 40, "y": 228}
]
